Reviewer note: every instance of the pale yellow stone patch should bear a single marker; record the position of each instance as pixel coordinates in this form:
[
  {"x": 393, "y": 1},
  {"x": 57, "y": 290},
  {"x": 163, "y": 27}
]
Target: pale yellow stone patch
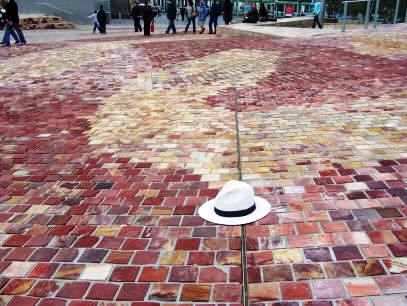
[
  {"x": 173, "y": 258},
  {"x": 164, "y": 118},
  {"x": 39, "y": 64},
  {"x": 287, "y": 256},
  {"x": 107, "y": 230},
  {"x": 390, "y": 43},
  {"x": 37, "y": 209},
  {"x": 161, "y": 211},
  {"x": 322, "y": 135}
]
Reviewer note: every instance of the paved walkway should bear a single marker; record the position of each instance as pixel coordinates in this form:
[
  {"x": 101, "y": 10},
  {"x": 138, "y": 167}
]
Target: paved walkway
[{"x": 108, "y": 148}]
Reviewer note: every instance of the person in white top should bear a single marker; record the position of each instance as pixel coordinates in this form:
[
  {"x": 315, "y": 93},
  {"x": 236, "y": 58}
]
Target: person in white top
[{"x": 95, "y": 21}]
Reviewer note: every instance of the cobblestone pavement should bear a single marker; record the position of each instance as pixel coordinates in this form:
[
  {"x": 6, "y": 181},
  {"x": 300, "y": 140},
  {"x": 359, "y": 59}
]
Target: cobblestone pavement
[{"x": 108, "y": 148}]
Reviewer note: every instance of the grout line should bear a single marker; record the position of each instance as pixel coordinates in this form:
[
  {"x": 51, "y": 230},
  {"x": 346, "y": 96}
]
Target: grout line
[{"x": 245, "y": 286}]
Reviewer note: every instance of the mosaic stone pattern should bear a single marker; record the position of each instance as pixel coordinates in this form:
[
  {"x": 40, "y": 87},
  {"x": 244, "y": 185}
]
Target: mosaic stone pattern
[{"x": 108, "y": 149}]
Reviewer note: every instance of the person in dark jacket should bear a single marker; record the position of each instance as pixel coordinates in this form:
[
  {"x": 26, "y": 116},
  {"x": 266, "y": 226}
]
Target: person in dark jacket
[
  {"x": 136, "y": 15},
  {"x": 214, "y": 12},
  {"x": 148, "y": 16},
  {"x": 253, "y": 16},
  {"x": 3, "y": 24},
  {"x": 227, "y": 11},
  {"x": 12, "y": 24},
  {"x": 263, "y": 14},
  {"x": 102, "y": 18},
  {"x": 171, "y": 15}
]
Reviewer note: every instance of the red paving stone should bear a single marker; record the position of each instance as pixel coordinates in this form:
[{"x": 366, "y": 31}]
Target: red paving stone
[{"x": 95, "y": 210}]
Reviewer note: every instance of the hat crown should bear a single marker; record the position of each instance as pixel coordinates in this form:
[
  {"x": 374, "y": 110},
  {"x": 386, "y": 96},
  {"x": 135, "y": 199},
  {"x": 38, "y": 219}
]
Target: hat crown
[{"x": 235, "y": 196}]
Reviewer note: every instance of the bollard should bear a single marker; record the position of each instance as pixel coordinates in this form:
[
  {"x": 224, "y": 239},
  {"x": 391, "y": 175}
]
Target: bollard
[
  {"x": 376, "y": 13},
  {"x": 345, "y": 10},
  {"x": 396, "y": 13},
  {"x": 367, "y": 17}
]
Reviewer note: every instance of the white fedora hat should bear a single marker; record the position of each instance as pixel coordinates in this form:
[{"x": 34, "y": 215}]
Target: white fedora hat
[{"x": 235, "y": 204}]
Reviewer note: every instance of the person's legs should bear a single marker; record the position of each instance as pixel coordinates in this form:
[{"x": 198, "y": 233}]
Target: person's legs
[
  {"x": 15, "y": 36},
  {"x": 188, "y": 23},
  {"x": 96, "y": 26},
  {"x": 215, "y": 24},
  {"x": 316, "y": 21},
  {"x": 172, "y": 23},
  {"x": 139, "y": 25},
  {"x": 146, "y": 28},
  {"x": 6, "y": 37},
  {"x": 210, "y": 24},
  {"x": 135, "y": 25}
]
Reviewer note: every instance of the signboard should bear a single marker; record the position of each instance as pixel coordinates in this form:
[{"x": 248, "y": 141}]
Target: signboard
[{"x": 289, "y": 10}]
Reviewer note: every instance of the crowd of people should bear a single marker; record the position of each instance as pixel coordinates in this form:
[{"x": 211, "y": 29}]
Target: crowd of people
[
  {"x": 253, "y": 15},
  {"x": 192, "y": 12},
  {"x": 11, "y": 24}
]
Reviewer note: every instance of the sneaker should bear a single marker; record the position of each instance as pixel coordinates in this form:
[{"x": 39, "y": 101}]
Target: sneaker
[{"x": 4, "y": 45}]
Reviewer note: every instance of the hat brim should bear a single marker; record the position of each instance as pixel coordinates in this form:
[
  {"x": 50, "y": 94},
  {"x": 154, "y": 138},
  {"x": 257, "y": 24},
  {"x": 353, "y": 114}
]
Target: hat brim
[{"x": 207, "y": 212}]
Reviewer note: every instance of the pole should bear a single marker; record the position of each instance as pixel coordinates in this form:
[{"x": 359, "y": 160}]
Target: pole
[
  {"x": 376, "y": 12},
  {"x": 396, "y": 13},
  {"x": 322, "y": 13},
  {"x": 367, "y": 17},
  {"x": 298, "y": 8},
  {"x": 405, "y": 16},
  {"x": 345, "y": 10}
]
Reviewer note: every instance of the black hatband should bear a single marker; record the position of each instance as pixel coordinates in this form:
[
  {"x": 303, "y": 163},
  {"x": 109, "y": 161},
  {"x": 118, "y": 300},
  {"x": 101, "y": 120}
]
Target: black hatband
[{"x": 237, "y": 213}]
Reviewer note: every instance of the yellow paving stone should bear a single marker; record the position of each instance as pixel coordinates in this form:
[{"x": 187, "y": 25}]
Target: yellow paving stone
[
  {"x": 16, "y": 200},
  {"x": 107, "y": 230},
  {"x": 173, "y": 258},
  {"x": 287, "y": 256},
  {"x": 161, "y": 211},
  {"x": 148, "y": 193},
  {"x": 37, "y": 209}
]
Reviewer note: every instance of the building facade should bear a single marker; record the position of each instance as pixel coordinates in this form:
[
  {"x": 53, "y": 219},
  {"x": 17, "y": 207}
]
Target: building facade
[{"x": 76, "y": 11}]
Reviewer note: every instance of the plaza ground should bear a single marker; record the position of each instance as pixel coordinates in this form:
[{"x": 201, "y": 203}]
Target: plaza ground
[{"x": 109, "y": 144}]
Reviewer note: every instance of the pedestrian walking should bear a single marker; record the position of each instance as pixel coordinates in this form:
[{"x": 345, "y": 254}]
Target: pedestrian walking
[
  {"x": 12, "y": 24},
  {"x": 102, "y": 19},
  {"x": 202, "y": 14},
  {"x": 182, "y": 12},
  {"x": 94, "y": 17},
  {"x": 317, "y": 11},
  {"x": 214, "y": 13},
  {"x": 3, "y": 22},
  {"x": 191, "y": 15},
  {"x": 148, "y": 17},
  {"x": 136, "y": 15},
  {"x": 171, "y": 15},
  {"x": 227, "y": 11}
]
